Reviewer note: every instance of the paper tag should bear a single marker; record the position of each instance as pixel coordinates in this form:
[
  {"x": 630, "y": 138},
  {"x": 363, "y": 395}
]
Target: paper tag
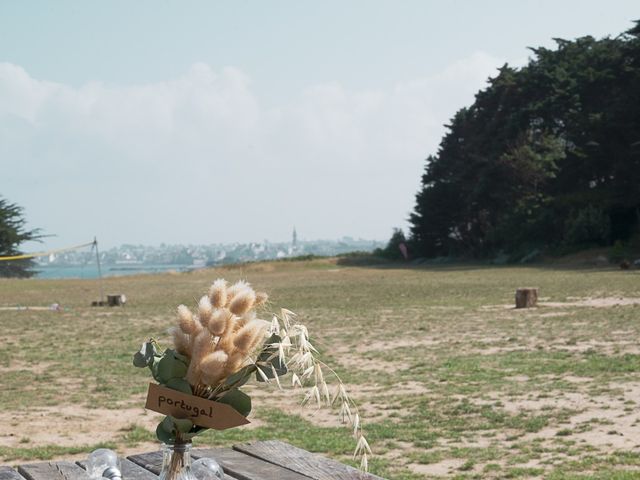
[{"x": 202, "y": 412}]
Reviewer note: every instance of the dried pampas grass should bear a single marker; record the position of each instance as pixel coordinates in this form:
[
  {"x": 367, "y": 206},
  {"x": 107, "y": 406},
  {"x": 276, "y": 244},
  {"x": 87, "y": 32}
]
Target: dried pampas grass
[
  {"x": 221, "y": 338},
  {"x": 224, "y": 336},
  {"x": 218, "y": 293}
]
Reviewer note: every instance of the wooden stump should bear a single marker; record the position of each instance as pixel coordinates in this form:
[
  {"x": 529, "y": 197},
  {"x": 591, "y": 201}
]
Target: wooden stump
[
  {"x": 526, "y": 297},
  {"x": 115, "y": 300}
]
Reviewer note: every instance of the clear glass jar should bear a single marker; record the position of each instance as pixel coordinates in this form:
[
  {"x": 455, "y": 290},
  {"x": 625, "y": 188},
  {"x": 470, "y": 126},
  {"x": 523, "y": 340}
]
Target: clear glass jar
[{"x": 176, "y": 462}]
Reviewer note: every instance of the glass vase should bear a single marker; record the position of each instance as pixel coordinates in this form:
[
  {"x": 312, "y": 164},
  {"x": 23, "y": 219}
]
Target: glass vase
[{"x": 176, "y": 462}]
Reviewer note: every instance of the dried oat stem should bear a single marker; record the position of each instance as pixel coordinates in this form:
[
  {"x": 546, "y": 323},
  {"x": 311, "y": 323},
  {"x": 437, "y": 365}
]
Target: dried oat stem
[{"x": 305, "y": 363}]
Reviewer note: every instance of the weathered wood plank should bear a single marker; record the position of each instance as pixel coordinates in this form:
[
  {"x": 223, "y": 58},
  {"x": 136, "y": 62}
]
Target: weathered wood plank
[
  {"x": 198, "y": 454},
  {"x": 306, "y": 463},
  {"x": 130, "y": 470},
  {"x": 151, "y": 461},
  {"x": 8, "y": 473},
  {"x": 53, "y": 471},
  {"x": 246, "y": 467}
]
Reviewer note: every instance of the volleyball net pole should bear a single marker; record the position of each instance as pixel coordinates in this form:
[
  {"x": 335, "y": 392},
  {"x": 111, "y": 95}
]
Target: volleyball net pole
[{"x": 94, "y": 244}]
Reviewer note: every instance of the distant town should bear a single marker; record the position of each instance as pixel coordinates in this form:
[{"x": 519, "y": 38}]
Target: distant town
[{"x": 186, "y": 257}]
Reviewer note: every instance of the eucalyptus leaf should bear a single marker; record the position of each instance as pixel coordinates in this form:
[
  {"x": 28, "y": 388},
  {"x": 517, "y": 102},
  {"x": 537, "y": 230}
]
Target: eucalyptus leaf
[
  {"x": 167, "y": 424},
  {"x": 139, "y": 360},
  {"x": 154, "y": 369},
  {"x": 163, "y": 435},
  {"x": 241, "y": 377},
  {"x": 179, "y": 356},
  {"x": 239, "y": 401},
  {"x": 144, "y": 357},
  {"x": 170, "y": 367},
  {"x": 172, "y": 425},
  {"x": 183, "y": 425},
  {"x": 179, "y": 384}
]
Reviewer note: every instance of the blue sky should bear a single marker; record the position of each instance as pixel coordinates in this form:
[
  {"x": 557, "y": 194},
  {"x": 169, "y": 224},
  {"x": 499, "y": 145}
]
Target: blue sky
[{"x": 202, "y": 122}]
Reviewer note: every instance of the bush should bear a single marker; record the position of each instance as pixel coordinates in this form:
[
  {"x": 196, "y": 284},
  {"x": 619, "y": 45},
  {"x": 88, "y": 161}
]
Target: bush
[
  {"x": 619, "y": 252},
  {"x": 392, "y": 250},
  {"x": 361, "y": 259},
  {"x": 588, "y": 226}
]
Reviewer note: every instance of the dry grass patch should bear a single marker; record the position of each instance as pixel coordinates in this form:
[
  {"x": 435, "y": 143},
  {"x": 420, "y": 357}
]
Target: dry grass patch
[{"x": 453, "y": 381}]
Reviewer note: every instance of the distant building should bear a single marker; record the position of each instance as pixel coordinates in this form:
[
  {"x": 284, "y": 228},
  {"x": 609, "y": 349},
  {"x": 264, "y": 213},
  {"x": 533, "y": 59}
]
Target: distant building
[{"x": 293, "y": 248}]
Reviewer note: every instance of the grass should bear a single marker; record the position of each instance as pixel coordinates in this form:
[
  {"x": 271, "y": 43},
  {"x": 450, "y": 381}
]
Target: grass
[
  {"x": 47, "y": 452},
  {"x": 451, "y": 380}
]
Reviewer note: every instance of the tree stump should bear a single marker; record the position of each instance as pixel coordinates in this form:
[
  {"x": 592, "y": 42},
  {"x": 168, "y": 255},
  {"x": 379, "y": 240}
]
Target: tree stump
[
  {"x": 115, "y": 300},
  {"x": 526, "y": 297}
]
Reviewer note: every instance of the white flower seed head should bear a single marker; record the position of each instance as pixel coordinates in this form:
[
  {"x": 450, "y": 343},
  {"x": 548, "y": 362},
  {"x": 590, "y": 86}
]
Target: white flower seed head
[
  {"x": 205, "y": 309},
  {"x": 242, "y": 302},
  {"x": 186, "y": 321},
  {"x": 219, "y": 321},
  {"x": 218, "y": 293}
]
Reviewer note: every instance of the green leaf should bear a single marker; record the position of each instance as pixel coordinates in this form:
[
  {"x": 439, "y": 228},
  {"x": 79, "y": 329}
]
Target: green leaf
[
  {"x": 183, "y": 425},
  {"x": 240, "y": 401},
  {"x": 179, "y": 356},
  {"x": 154, "y": 369},
  {"x": 139, "y": 360},
  {"x": 163, "y": 435},
  {"x": 167, "y": 424},
  {"x": 144, "y": 357},
  {"x": 171, "y": 425},
  {"x": 240, "y": 377},
  {"x": 180, "y": 384},
  {"x": 170, "y": 367}
]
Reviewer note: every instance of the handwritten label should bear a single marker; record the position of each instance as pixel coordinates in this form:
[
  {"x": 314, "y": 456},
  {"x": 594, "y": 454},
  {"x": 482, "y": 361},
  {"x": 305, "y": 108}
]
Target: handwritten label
[{"x": 200, "y": 411}]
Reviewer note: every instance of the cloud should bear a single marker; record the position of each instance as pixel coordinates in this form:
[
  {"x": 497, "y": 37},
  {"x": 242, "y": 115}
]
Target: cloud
[{"x": 199, "y": 159}]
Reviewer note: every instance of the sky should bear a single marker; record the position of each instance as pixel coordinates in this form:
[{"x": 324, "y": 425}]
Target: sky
[{"x": 200, "y": 122}]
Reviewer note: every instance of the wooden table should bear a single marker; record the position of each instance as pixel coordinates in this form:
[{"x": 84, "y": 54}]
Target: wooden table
[{"x": 267, "y": 460}]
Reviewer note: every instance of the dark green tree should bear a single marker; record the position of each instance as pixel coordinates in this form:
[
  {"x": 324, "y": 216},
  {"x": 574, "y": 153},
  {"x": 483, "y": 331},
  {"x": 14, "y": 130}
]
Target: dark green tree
[
  {"x": 13, "y": 233},
  {"x": 393, "y": 251},
  {"x": 539, "y": 148}
]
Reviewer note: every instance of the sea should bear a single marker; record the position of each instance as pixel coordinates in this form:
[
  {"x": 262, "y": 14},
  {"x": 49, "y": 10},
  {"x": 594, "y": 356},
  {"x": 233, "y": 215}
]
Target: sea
[{"x": 91, "y": 271}]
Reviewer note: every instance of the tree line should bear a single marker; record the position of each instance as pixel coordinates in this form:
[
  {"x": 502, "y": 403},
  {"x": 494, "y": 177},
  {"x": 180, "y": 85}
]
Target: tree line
[{"x": 547, "y": 157}]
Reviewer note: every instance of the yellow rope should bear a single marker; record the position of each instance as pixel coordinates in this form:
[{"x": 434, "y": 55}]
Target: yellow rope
[{"x": 42, "y": 254}]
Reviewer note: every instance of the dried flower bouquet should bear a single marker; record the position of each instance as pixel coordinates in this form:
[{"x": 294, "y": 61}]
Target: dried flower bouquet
[{"x": 218, "y": 349}]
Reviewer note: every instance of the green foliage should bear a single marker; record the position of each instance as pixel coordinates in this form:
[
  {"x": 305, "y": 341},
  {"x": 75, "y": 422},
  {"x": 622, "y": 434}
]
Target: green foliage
[
  {"x": 240, "y": 401},
  {"x": 172, "y": 365},
  {"x": 392, "y": 250},
  {"x": 524, "y": 165},
  {"x": 619, "y": 252},
  {"x": 146, "y": 355},
  {"x": 180, "y": 385},
  {"x": 13, "y": 233},
  {"x": 361, "y": 259},
  {"x": 590, "y": 225},
  {"x": 170, "y": 368},
  {"x": 241, "y": 377}
]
